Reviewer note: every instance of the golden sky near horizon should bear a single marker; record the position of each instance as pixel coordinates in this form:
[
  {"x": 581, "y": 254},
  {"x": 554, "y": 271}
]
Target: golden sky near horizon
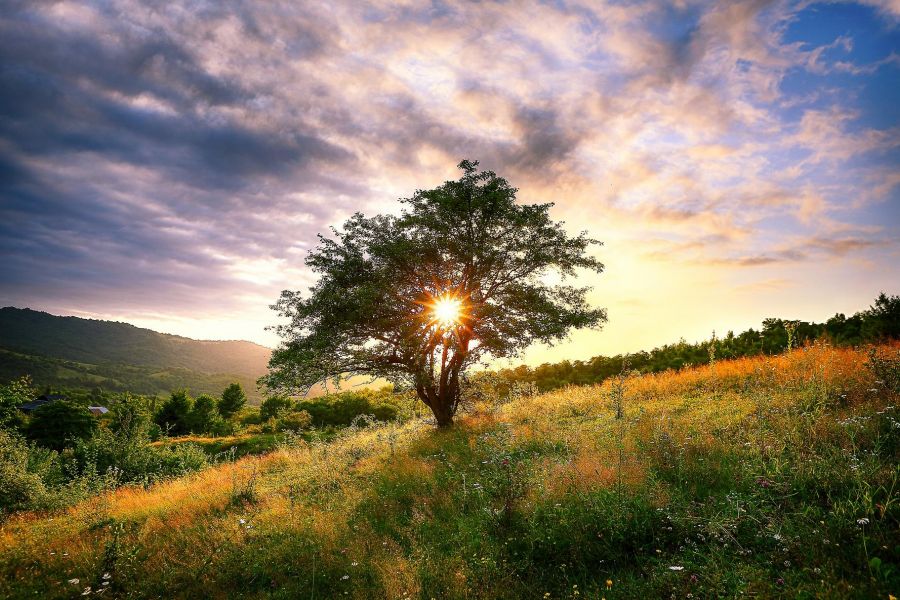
[{"x": 170, "y": 167}]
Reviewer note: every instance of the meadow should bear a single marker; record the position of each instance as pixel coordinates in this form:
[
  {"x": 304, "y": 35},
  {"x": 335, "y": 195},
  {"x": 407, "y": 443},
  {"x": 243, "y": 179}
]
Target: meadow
[{"x": 768, "y": 476}]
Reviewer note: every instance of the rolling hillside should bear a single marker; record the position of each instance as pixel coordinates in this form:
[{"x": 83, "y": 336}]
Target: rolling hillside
[
  {"x": 71, "y": 352},
  {"x": 764, "y": 477}
]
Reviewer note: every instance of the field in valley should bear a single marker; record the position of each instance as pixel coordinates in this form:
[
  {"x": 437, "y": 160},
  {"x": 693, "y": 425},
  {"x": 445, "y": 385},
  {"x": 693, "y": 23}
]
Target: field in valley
[{"x": 758, "y": 477}]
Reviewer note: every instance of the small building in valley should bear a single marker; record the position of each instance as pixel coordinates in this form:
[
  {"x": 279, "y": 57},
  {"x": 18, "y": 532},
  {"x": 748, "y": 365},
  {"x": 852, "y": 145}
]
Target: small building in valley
[
  {"x": 30, "y": 407},
  {"x": 98, "y": 410}
]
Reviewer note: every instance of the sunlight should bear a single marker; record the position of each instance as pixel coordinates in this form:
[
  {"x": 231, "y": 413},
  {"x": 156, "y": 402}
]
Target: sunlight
[{"x": 447, "y": 311}]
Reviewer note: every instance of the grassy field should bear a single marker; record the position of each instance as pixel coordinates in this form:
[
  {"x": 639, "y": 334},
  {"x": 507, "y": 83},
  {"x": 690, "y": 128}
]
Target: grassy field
[{"x": 760, "y": 477}]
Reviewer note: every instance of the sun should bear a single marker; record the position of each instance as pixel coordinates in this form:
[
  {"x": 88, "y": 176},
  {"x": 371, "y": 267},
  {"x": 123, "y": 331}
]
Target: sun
[{"x": 447, "y": 311}]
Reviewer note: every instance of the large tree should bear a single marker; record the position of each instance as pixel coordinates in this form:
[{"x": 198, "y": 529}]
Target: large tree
[{"x": 461, "y": 274}]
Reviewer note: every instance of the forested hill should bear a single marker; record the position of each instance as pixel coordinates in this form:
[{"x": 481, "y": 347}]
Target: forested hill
[{"x": 31, "y": 332}]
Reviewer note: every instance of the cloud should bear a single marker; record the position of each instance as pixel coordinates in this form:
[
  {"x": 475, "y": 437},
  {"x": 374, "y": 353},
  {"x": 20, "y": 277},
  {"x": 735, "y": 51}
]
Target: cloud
[{"x": 181, "y": 159}]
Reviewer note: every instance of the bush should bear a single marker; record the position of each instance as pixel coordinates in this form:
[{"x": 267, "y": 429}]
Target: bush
[
  {"x": 12, "y": 396},
  {"x": 341, "y": 409},
  {"x": 294, "y": 421},
  {"x": 59, "y": 424},
  {"x": 25, "y": 471},
  {"x": 273, "y": 405}
]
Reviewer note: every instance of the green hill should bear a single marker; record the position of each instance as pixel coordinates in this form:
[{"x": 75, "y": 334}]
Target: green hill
[
  {"x": 70, "y": 352},
  {"x": 760, "y": 477}
]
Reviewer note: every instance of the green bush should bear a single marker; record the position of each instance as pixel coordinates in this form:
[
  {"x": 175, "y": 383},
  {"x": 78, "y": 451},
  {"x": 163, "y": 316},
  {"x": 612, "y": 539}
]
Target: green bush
[
  {"x": 25, "y": 471},
  {"x": 273, "y": 405},
  {"x": 341, "y": 409},
  {"x": 59, "y": 424},
  {"x": 294, "y": 421}
]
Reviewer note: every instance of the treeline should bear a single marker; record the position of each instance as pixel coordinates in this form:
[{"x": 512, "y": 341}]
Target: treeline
[
  {"x": 61, "y": 453},
  {"x": 879, "y": 322}
]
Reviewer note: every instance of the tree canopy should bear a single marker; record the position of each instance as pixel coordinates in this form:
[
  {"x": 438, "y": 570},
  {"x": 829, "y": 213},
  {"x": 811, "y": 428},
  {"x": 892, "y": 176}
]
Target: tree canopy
[{"x": 459, "y": 275}]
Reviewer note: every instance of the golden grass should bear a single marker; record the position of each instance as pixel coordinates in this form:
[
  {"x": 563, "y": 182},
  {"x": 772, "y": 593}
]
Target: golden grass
[{"x": 177, "y": 517}]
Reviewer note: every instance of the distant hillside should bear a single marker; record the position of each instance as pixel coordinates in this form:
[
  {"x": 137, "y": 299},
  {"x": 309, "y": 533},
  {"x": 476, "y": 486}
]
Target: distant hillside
[{"x": 74, "y": 352}]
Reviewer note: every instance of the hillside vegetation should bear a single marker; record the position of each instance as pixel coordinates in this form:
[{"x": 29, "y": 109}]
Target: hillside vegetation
[
  {"x": 763, "y": 476},
  {"x": 70, "y": 352}
]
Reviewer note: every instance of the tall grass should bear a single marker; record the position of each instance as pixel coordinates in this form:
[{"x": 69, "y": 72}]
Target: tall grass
[{"x": 768, "y": 477}]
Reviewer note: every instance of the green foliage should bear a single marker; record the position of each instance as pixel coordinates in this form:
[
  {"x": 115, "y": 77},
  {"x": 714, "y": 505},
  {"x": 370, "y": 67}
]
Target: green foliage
[
  {"x": 294, "y": 421},
  {"x": 57, "y": 424},
  {"x": 467, "y": 239},
  {"x": 205, "y": 417},
  {"x": 273, "y": 405},
  {"x": 26, "y": 474},
  {"x": 131, "y": 417},
  {"x": 881, "y": 321},
  {"x": 340, "y": 410},
  {"x": 174, "y": 416},
  {"x": 12, "y": 396},
  {"x": 116, "y": 377},
  {"x": 233, "y": 400}
]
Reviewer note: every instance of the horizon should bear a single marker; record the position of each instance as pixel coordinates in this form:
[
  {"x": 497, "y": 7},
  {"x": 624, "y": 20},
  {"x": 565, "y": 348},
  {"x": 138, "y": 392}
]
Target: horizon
[{"x": 170, "y": 168}]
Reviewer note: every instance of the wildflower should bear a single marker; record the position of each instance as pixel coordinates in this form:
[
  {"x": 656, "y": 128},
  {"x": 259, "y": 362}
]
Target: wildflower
[
  {"x": 87, "y": 591},
  {"x": 345, "y": 578},
  {"x": 694, "y": 578},
  {"x": 354, "y": 564},
  {"x": 546, "y": 594},
  {"x": 74, "y": 581},
  {"x": 676, "y": 568},
  {"x": 892, "y": 597},
  {"x": 862, "y": 522},
  {"x": 107, "y": 576},
  {"x": 241, "y": 521},
  {"x": 608, "y": 583},
  {"x": 779, "y": 581}
]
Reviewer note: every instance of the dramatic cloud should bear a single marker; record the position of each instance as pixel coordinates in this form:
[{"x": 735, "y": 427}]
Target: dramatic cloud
[{"x": 170, "y": 164}]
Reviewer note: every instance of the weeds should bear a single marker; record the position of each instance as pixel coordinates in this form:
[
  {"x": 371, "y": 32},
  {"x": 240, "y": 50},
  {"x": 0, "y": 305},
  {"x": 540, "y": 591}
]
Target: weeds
[{"x": 765, "y": 477}]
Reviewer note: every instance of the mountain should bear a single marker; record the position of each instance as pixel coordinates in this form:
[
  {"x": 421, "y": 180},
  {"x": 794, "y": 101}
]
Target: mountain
[{"x": 74, "y": 352}]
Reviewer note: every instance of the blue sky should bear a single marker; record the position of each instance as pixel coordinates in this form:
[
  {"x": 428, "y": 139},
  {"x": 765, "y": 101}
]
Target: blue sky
[{"x": 170, "y": 165}]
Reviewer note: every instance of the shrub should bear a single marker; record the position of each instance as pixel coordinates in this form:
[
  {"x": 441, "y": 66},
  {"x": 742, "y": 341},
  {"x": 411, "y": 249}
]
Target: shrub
[
  {"x": 12, "y": 396},
  {"x": 24, "y": 474},
  {"x": 273, "y": 405},
  {"x": 341, "y": 409},
  {"x": 58, "y": 424},
  {"x": 886, "y": 368},
  {"x": 294, "y": 421}
]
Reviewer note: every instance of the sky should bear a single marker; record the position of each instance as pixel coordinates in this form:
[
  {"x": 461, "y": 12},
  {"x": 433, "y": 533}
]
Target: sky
[{"x": 170, "y": 164}]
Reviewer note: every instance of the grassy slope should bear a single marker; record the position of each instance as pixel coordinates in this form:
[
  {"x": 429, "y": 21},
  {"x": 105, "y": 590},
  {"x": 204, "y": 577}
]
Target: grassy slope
[{"x": 751, "y": 476}]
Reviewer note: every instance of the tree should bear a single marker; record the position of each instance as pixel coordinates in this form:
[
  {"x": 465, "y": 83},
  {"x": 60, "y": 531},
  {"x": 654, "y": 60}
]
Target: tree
[
  {"x": 273, "y": 405},
  {"x": 205, "y": 416},
  {"x": 131, "y": 418},
  {"x": 56, "y": 424},
  {"x": 233, "y": 400},
  {"x": 458, "y": 276},
  {"x": 174, "y": 415}
]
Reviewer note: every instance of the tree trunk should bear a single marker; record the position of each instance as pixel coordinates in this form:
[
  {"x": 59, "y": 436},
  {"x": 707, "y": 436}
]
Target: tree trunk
[{"x": 441, "y": 407}]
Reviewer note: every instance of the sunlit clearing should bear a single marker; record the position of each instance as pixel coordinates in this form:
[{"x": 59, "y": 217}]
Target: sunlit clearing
[{"x": 447, "y": 311}]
